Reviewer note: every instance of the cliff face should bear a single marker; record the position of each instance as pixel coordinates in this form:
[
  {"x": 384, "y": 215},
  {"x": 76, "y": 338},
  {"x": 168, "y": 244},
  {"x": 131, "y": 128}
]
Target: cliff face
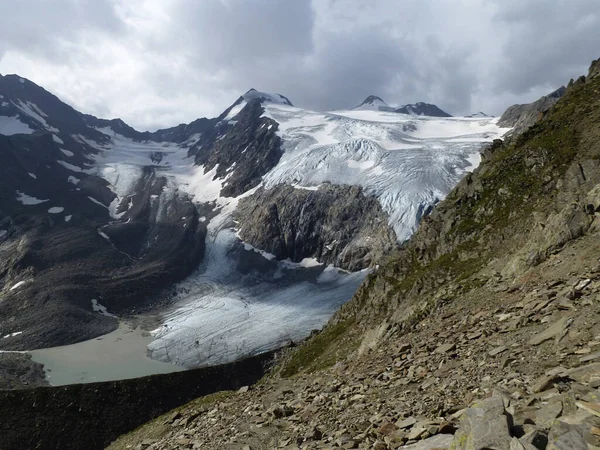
[{"x": 338, "y": 225}]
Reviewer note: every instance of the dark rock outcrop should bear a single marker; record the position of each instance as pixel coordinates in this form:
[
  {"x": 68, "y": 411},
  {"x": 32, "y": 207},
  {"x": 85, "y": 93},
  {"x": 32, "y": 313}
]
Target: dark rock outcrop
[
  {"x": 594, "y": 70},
  {"x": 478, "y": 114},
  {"x": 243, "y": 151},
  {"x": 422, "y": 109},
  {"x": 521, "y": 117},
  {"x": 371, "y": 99},
  {"x": 337, "y": 225}
]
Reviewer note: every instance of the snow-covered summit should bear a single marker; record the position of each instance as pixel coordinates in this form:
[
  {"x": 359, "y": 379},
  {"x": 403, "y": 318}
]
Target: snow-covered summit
[
  {"x": 422, "y": 109},
  {"x": 373, "y": 103},
  {"x": 266, "y": 97}
]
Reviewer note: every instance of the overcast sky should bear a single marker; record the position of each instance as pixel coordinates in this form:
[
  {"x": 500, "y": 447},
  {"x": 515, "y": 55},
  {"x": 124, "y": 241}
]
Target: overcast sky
[{"x": 158, "y": 63}]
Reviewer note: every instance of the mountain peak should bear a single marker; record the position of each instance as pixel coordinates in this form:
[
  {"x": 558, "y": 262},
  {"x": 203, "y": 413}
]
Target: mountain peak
[
  {"x": 374, "y": 100},
  {"x": 422, "y": 109},
  {"x": 266, "y": 97},
  {"x": 375, "y": 103}
]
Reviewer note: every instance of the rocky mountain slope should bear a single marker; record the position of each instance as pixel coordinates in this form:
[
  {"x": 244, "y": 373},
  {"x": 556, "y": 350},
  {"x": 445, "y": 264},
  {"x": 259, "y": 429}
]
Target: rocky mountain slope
[
  {"x": 482, "y": 332},
  {"x": 521, "y": 117},
  {"x": 98, "y": 220},
  {"x": 67, "y": 241}
]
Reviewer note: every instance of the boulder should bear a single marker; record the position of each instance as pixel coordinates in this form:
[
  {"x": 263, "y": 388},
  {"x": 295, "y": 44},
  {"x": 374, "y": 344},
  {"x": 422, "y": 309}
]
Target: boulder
[
  {"x": 439, "y": 441},
  {"x": 564, "y": 436},
  {"x": 485, "y": 425}
]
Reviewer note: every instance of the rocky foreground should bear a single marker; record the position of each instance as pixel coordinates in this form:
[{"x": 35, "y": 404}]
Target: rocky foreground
[
  {"x": 512, "y": 366},
  {"x": 482, "y": 332}
]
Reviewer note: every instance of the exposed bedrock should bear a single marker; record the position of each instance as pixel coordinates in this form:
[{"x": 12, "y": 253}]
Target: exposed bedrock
[
  {"x": 336, "y": 224},
  {"x": 51, "y": 269},
  {"x": 521, "y": 117},
  {"x": 243, "y": 150}
]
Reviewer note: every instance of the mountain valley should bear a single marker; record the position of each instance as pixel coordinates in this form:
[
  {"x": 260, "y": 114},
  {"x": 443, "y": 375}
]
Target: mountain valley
[
  {"x": 159, "y": 212},
  {"x": 455, "y": 273}
]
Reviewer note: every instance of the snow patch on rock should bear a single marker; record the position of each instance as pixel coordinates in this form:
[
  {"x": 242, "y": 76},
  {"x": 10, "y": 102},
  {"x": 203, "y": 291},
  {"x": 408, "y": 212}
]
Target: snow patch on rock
[
  {"x": 70, "y": 167},
  {"x": 101, "y": 309},
  {"x": 28, "y": 199},
  {"x": 19, "y": 284},
  {"x": 16, "y": 333},
  {"x": 12, "y": 125}
]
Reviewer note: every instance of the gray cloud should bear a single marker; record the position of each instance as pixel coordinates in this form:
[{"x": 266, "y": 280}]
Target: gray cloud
[
  {"x": 547, "y": 43},
  {"x": 238, "y": 32},
  {"x": 157, "y": 63},
  {"x": 47, "y": 28}
]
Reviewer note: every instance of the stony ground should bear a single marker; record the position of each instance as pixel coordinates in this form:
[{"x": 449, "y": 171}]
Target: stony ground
[
  {"x": 534, "y": 344},
  {"x": 18, "y": 371}
]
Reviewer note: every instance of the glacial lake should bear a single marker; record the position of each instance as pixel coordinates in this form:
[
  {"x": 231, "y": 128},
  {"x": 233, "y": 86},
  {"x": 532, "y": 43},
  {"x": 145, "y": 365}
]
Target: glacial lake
[{"x": 115, "y": 356}]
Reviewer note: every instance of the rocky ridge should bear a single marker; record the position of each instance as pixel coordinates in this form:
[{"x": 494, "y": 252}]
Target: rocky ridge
[
  {"x": 375, "y": 103},
  {"x": 521, "y": 117},
  {"x": 482, "y": 332},
  {"x": 243, "y": 150},
  {"x": 422, "y": 109}
]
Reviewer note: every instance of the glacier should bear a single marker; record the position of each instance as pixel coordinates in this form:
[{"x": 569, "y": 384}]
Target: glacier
[
  {"x": 409, "y": 163},
  {"x": 241, "y": 301}
]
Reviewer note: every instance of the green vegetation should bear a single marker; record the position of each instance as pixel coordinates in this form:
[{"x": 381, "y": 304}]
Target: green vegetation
[
  {"x": 322, "y": 350},
  {"x": 523, "y": 174}
]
